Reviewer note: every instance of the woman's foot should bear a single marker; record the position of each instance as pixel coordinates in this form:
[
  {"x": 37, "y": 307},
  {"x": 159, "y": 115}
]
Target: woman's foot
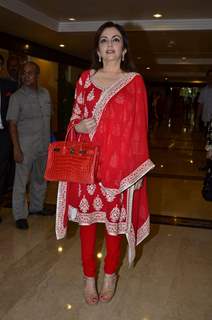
[
  {"x": 90, "y": 293},
  {"x": 108, "y": 288}
]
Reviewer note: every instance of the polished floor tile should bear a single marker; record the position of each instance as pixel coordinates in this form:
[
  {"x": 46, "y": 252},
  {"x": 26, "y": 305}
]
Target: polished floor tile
[
  {"x": 178, "y": 198},
  {"x": 176, "y": 182},
  {"x": 171, "y": 278}
]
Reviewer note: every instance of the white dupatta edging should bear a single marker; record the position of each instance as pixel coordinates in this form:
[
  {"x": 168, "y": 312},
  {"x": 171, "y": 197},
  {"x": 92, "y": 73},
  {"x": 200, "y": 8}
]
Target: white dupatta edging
[
  {"x": 142, "y": 233},
  {"x": 106, "y": 96},
  {"x": 60, "y": 210},
  {"x": 132, "y": 178}
]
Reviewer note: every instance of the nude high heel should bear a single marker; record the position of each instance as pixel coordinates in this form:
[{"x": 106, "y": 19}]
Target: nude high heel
[
  {"x": 90, "y": 292},
  {"x": 108, "y": 288}
]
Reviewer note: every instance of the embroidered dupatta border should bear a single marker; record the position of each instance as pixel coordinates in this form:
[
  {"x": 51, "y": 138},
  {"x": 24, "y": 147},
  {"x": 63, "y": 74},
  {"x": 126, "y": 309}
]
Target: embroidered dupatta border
[
  {"x": 132, "y": 178},
  {"x": 106, "y": 96},
  {"x": 60, "y": 229}
]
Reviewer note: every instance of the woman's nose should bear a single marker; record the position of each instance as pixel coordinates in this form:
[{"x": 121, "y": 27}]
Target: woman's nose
[{"x": 110, "y": 43}]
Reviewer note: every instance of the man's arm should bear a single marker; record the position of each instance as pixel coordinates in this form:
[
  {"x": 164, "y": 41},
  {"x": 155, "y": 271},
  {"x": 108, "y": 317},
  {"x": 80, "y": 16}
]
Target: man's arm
[
  {"x": 12, "y": 118},
  {"x": 17, "y": 152}
]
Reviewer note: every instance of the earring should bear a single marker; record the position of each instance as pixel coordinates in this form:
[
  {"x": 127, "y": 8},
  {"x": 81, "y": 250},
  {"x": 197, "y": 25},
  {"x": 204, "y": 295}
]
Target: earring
[
  {"x": 100, "y": 59},
  {"x": 123, "y": 57}
]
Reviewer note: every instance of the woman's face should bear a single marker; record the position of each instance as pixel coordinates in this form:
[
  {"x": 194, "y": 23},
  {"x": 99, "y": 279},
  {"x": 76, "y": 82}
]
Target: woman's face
[{"x": 111, "y": 45}]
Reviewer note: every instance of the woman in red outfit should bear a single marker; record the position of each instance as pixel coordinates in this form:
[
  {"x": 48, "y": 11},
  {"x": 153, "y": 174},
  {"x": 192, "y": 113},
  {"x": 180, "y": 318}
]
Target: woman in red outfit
[{"x": 111, "y": 111}]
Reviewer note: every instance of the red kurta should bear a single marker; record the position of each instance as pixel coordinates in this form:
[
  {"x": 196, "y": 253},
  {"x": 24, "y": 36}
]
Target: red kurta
[{"x": 120, "y": 112}]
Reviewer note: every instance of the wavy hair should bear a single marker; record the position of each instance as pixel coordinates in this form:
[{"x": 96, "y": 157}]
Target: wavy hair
[{"x": 127, "y": 65}]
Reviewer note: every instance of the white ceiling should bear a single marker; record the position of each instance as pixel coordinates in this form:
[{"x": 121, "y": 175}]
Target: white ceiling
[{"x": 184, "y": 31}]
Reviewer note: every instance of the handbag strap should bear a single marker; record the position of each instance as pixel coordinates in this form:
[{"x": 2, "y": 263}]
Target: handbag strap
[{"x": 71, "y": 132}]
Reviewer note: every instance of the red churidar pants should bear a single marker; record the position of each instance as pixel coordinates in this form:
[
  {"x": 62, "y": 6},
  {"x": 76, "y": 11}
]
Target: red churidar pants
[{"x": 88, "y": 242}]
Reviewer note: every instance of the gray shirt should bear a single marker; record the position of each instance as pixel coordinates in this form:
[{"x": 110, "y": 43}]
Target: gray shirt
[{"x": 31, "y": 110}]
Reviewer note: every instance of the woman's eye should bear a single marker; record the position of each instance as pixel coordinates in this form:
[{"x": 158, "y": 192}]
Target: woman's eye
[
  {"x": 102, "y": 40},
  {"x": 116, "y": 40}
]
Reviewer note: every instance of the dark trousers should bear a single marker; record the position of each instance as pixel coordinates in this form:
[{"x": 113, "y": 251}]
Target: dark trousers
[{"x": 7, "y": 164}]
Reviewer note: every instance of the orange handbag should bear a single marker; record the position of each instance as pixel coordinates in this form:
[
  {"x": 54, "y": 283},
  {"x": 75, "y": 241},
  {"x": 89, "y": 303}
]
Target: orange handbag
[{"x": 72, "y": 161}]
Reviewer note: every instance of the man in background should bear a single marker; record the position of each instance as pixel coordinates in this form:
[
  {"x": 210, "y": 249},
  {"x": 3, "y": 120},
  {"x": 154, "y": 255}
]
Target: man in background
[
  {"x": 8, "y": 85},
  {"x": 205, "y": 101},
  {"x": 29, "y": 121},
  {"x": 204, "y": 116}
]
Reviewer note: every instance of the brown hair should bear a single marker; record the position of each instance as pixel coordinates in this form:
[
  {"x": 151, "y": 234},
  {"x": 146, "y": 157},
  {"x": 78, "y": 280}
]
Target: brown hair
[{"x": 126, "y": 65}]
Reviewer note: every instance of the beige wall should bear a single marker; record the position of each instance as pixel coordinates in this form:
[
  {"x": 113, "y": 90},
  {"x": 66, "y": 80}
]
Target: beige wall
[
  {"x": 49, "y": 79},
  {"x": 73, "y": 74}
]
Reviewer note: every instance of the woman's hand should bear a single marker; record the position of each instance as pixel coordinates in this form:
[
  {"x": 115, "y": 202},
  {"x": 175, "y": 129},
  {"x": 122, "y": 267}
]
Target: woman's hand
[
  {"x": 85, "y": 126},
  {"x": 139, "y": 184}
]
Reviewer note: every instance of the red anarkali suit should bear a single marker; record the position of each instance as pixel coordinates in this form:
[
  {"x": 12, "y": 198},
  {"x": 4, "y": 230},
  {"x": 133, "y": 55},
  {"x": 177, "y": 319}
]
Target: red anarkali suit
[{"x": 120, "y": 112}]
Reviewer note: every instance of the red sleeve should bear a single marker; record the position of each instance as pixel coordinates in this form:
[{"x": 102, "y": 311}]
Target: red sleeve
[{"x": 78, "y": 108}]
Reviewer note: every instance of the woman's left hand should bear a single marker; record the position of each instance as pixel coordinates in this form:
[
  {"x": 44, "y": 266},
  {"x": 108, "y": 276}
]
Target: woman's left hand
[{"x": 138, "y": 184}]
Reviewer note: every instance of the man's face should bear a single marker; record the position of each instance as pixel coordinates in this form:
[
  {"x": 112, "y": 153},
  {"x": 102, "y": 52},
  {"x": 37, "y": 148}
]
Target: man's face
[
  {"x": 29, "y": 76},
  {"x": 13, "y": 68}
]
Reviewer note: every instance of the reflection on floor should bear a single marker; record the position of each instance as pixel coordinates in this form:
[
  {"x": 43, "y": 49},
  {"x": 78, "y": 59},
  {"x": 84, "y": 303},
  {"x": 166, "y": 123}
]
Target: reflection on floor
[
  {"x": 176, "y": 182},
  {"x": 41, "y": 279}
]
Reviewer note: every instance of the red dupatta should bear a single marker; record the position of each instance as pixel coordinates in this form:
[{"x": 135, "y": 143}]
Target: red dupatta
[{"x": 121, "y": 132}]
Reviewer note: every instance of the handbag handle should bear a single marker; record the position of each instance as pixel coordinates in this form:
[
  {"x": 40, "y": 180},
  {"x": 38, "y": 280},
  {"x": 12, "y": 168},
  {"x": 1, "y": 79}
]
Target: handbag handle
[{"x": 71, "y": 131}]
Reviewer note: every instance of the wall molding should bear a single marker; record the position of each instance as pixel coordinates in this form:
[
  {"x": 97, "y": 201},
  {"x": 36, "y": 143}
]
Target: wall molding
[
  {"x": 30, "y": 13},
  {"x": 140, "y": 25},
  {"x": 26, "y": 11},
  {"x": 189, "y": 61}
]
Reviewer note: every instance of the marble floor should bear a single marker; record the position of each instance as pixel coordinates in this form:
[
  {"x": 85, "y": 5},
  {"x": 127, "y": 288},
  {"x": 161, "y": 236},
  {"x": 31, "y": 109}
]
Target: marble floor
[
  {"x": 41, "y": 279},
  {"x": 175, "y": 184}
]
